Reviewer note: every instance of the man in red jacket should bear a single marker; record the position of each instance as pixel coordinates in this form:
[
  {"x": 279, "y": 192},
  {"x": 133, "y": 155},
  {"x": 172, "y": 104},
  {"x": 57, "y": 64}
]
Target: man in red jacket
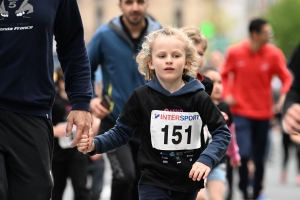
[{"x": 247, "y": 73}]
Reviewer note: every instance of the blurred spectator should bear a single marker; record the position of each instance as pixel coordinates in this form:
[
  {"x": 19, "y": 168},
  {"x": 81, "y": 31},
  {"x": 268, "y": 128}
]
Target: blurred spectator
[
  {"x": 201, "y": 45},
  {"x": 96, "y": 163},
  {"x": 96, "y": 167},
  {"x": 253, "y": 63},
  {"x": 67, "y": 162},
  {"x": 291, "y": 108},
  {"x": 216, "y": 180},
  {"x": 217, "y": 173},
  {"x": 216, "y": 59},
  {"x": 291, "y": 111}
]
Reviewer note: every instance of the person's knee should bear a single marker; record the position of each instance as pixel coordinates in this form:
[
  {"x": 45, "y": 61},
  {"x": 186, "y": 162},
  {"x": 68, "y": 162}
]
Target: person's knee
[
  {"x": 215, "y": 197},
  {"x": 201, "y": 194},
  {"x": 216, "y": 193}
]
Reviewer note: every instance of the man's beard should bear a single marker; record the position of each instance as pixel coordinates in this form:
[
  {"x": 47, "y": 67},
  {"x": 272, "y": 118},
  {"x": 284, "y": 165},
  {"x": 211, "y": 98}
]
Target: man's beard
[{"x": 134, "y": 22}]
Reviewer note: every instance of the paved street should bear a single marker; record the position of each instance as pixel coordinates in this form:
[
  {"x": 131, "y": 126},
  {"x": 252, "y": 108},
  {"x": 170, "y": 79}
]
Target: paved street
[{"x": 274, "y": 190}]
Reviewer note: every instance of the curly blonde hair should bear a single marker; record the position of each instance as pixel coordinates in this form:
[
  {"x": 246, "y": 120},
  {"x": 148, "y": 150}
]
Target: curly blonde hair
[
  {"x": 195, "y": 34},
  {"x": 145, "y": 54}
]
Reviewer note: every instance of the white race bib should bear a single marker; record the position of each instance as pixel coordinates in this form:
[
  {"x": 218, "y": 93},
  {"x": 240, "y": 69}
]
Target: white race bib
[
  {"x": 175, "y": 130},
  {"x": 64, "y": 141}
]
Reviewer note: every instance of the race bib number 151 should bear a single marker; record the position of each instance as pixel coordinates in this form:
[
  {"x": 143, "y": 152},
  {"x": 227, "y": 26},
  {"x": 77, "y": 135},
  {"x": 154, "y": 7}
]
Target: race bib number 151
[{"x": 175, "y": 130}]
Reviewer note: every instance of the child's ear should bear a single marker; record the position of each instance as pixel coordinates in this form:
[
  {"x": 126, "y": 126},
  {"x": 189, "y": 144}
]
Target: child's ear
[
  {"x": 150, "y": 65},
  {"x": 187, "y": 65}
]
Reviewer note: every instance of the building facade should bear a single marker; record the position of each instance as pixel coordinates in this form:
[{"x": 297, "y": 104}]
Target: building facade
[{"x": 230, "y": 18}]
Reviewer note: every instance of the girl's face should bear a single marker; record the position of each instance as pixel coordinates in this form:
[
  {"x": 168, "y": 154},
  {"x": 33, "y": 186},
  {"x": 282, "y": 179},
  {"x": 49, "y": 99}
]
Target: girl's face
[
  {"x": 217, "y": 81},
  {"x": 200, "y": 50},
  {"x": 168, "y": 59}
]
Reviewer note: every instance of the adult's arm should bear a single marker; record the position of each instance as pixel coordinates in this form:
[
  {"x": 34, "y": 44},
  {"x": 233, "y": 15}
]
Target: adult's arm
[
  {"x": 284, "y": 75},
  {"x": 72, "y": 55},
  {"x": 226, "y": 72}
]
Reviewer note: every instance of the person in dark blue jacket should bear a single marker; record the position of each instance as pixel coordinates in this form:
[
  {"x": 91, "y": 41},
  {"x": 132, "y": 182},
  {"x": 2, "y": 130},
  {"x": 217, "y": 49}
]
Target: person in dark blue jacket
[
  {"x": 27, "y": 90},
  {"x": 114, "y": 47},
  {"x": 291, "y": 107},
  {"x": 170, "y": 112}
]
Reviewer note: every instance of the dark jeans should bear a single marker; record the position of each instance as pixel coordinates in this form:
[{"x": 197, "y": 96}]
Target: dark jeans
[
  {"x": 26, "y": 145},
  {"x": 252, "y": 138},
  {"x": 124, "y": 169},
  {"x": 148, "y": 192}
]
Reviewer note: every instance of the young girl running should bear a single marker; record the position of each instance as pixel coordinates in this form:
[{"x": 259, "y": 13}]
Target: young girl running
[{"x": 171, "y": 110}]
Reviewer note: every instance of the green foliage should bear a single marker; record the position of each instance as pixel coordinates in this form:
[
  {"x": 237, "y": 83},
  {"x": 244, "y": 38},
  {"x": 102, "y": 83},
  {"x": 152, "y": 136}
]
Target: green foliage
[
  {"x": 284, "y": 17},
  {"x": 208, "y": 29}
]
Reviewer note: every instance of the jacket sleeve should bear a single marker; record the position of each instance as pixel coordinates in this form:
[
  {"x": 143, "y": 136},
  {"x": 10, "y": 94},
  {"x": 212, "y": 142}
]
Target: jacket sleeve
[
  {"x": 226, "y": 72},
  {"x": 219, "y": 131},
  {"x": 117, "y": 136},
  {"x": 282, "y": 71},
  {"x": 72, "y": 55}
]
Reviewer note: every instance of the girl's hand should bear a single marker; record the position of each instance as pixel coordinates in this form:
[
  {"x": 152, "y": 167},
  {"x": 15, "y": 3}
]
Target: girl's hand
[
  {"x": 83, "y": 144},
  {"x": 198, "y": 171}
]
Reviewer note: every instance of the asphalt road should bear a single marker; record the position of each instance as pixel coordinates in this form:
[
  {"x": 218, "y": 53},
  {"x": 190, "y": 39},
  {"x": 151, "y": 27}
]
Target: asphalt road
[{"x": 274, "y": 189}]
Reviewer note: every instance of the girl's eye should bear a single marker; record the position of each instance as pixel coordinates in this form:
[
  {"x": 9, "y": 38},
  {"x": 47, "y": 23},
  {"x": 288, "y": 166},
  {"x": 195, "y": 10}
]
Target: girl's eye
[
  {"x": 161, "y": 56},
  {"x": 200, "y": 54},
  {"x": 175, "y": 56}
]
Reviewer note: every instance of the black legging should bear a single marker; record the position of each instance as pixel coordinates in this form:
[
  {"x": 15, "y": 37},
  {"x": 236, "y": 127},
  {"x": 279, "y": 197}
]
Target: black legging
[
  {"x": 229, "y": 176},
  {"x": 286, "y": 141}
]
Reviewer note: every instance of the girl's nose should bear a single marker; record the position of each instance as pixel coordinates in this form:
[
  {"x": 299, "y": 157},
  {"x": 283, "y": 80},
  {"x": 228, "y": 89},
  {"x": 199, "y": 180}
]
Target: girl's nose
[{"x": 169, "y": 60}]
